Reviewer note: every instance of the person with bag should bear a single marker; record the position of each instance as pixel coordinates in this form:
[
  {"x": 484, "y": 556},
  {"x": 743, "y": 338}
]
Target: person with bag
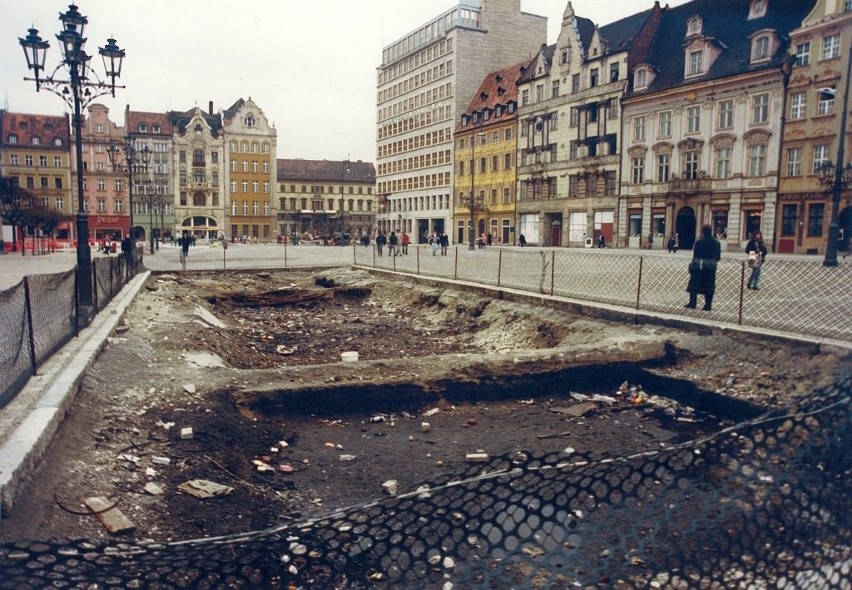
[
  {"x": 702, "y": 270},
  {"x": 756, "y": 252}
]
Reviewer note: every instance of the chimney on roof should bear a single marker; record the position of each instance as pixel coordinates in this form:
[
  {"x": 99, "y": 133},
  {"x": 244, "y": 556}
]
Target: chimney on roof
[{"x": 210, "y": 107}]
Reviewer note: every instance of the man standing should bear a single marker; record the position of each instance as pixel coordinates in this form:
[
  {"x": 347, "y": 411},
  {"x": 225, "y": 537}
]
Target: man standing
[
  {"x": 406, "y": 240},
  {"x": 445, "y": 243},
  {"x": 702, "y": 270},
  {"x": 756, "y": 251}
]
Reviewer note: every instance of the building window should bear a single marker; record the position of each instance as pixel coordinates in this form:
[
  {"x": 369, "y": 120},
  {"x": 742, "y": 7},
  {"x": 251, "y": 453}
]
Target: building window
[
  {"x": 640, "y": 79},
  {"x": 554, "y": 89},
  {"x": 690, "y": 165},
  {"x": 760, "y": 51},
  {"x": 831, "y": 46},
  {"x": 609, "y": 182},
  {"x": 663, "y": 167},
  {"x": 525, "y": 97},
  {"x": 13, "y": 159},
  {"x": 760, "y": 109},
  {"x": 696, "y": 62},
  {"x": 693, "y": 119},
  {"x": 798, "y": 104},
  {"x": 28, "y": 160},
  {"x": 613, "y": 72},
  {"x": 594, "y": 76},
  {"x": 575, "y": 117},
  {"x": 665, "y": 124},
  {"x": 249, "y": 121},
  {"x": 57, "y": 183},
  {"x": 101, "y": 184},
  {"x": 638, "y": 170},
  {"x": 639, "y": 129},
  {"x": 788, "y": 221},
  {"x": 794, "y": 161},
  {"x": 757, "y": 160},
  {"x": 726, "y": 115},
  {"x": 723, "y": 162},
  {"x": 539, "y": 92},
  {"x": 575, "y": 83},
  {"x": 57, "y": 161},
  {"x": 102, "y": 206},
  {"x": 816, "y": 214},
  {"x": 825, "y": 105},
  {"x": 573, "y": 185},
  {"x": 820, "y": 157},
  {"x": 803, "y": 53}
]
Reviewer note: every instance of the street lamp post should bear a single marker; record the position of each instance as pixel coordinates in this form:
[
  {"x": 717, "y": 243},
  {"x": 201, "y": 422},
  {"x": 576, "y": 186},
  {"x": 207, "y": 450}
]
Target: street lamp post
[
  {"x": 135, "y": 160},
  {"x": 837, "y": 176},
  {"x": 344, "y": 168},
  {"x": 83, "y": 86}
]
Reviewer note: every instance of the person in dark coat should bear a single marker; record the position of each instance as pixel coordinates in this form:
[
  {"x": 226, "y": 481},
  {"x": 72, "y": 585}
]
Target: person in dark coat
[
  {"x": 756, "y": 250},
  {"x": 702, "y": 270}
]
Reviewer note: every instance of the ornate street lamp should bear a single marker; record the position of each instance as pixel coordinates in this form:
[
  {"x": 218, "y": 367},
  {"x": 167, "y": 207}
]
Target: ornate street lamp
[
  {"x": 473, "y": 201},
  {"x": 135, "y": 160},
  {"x": 80, "y": 89},
  {"x": 345, "y": 168},
  {"x": 837, "y": 176}
]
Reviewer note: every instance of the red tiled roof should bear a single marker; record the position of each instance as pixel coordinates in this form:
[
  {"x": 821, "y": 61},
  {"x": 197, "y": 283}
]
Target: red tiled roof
[
  {"x": 498, "y": 88},
  {"x": 133, "y": 119},
  {"x": 26, "y": 126},
  {"x": 325, "y": 170}
]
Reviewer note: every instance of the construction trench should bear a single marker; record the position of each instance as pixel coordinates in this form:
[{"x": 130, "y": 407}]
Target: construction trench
[{"x": 316, "y": 456}]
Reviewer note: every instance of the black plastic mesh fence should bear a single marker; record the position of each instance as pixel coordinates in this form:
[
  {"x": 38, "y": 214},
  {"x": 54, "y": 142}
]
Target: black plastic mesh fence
[
  {"x": 15, "y": 363},
  {"x": 763, "y": 504},
  {"x": 26, "y": 344}
]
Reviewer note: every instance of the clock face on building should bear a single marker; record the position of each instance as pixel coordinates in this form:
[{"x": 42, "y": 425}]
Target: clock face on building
[
  {"x": 694, "y": 25},
  {"x": 758, "y": 5}
]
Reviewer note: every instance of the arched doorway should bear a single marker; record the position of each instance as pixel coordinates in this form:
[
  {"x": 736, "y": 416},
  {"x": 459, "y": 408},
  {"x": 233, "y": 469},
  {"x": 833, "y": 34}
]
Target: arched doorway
[
  {"x": 200, "y": 226},
  {"x": 685, "y": 225}
]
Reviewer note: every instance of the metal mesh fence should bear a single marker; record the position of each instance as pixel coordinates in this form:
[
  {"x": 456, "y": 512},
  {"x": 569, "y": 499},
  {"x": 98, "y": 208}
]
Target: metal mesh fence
[
  {"x": 763, "y": 504},
  {"x": 27, "y": 341},
  {"x": 15, "y": 363}
]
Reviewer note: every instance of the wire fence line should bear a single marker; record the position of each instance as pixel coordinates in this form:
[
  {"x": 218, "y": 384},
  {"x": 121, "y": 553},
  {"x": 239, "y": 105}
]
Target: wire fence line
[
  {"x": 796, "y": 296},
  {"x": 41, "y": 314}
]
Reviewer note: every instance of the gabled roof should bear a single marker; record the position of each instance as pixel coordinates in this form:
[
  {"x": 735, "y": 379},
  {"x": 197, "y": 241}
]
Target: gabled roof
[
  {"x": 726, "y": 24},
  {"x": 545, "y": 53},
  {"x": 134, "y": 119},
  {"x": 325, "y": 171},
  {"x": 620, "y": 34},
  {"x": 25, "y": 126},
  {"x": 179, "y": 121},
  {"x": 498, "y": 88},
  {"x": 231, "y": 111}
]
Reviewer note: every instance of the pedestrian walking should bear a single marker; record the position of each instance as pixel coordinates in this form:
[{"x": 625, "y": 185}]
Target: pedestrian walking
[
  {"x": 489, "y": 239},
  {"x": 185, "y": 241},
  {"x": 434, "y": 244},
  {"x": 445, "y": 243},
  {"x": 406, "y": 240},
  {"x": 393, "y": 244},
  {"x": 702, "y": 269},
  {"x": 522, "y": 240},
  {"x": 381, "y": 240},
  {"x": 601, "y": 241},
  {"x": 672, "y": 243},
  {"x": 756, "y": 252}
]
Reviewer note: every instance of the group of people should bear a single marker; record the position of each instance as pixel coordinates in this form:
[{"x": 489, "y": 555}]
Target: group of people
[
  {"x": 397, "y": 243},
  {"x": 706, "y": 255},
  {"x": 439, "y": 241}
]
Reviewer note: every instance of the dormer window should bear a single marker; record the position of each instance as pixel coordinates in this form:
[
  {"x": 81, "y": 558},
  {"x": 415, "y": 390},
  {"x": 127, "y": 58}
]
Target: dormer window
[
  {"x": 695, "y": 62},
  {"x": 36, "y": 140},
  {"x": 694, "y": 26},
  {"x": 143, "y": 128},
  {"x": 758, "y": 9},
  {"x": 640, "y": 79},
  {"x": 13, "y": 139},
  {"x": 249, "y": 121},
  {"x": 57, "y": 141},
  {"x": 760, "y": 49},
  {"x": 155, "y": 128}
]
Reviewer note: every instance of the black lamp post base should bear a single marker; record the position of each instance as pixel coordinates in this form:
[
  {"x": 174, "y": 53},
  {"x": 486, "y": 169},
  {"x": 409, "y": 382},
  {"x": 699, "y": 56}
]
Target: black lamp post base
[{"x": 84, "y": 261}]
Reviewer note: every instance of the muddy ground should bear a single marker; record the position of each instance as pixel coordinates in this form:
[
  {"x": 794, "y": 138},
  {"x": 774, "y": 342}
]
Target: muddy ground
[{"x": 291, "y": 431}]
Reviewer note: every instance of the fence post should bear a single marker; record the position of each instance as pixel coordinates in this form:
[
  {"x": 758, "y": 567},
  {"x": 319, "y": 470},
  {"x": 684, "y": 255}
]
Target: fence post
[
  {"x": 639, "y": 282},
  {"x": 417, "y": 251},
  {"x": 95, "y": 284},
  {"x": 30, "y": 333},
  {"x": 224, "y": 256},
  {"x": 552, "y": 271},
  {"x": 456, "y": 270},
  {"x": 742, "y": 282},
  {"x": 499, "y": 266},
  {"x": 286, "y": 239}
]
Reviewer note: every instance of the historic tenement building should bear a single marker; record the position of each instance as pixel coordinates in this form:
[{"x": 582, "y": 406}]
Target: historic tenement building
[
  {"x": 569, "y": 135},
  {"x": 324, "y": 199},
  {"x": 34, "y": 151},
  {"x": 485, "y": 154},
  {"x": 197, "y": 170},
  {"x": 702, "y": 138},
  {"x": 425, "y": 80},
  {"x": 814, "y": 103},
  {"x": 153, "y": 184},
  {"x": 250, "y": 155}
]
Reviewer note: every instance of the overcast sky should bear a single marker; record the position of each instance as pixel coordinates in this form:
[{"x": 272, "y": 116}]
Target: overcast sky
[{"x": 310, "y": 65}]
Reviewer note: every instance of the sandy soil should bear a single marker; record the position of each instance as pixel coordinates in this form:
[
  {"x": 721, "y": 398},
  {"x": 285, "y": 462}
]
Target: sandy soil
[{"x": 292, "y": 431}]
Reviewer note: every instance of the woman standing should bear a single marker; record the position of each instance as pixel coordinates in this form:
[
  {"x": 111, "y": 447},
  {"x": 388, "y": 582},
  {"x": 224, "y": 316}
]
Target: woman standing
[
  {"x": 702, "y": 270},
  {"x": 756, "y": 251}
]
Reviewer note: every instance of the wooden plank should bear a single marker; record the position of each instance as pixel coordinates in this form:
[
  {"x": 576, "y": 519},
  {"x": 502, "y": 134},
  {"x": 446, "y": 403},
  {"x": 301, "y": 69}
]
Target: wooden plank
[{"x": 111, "y": 517}]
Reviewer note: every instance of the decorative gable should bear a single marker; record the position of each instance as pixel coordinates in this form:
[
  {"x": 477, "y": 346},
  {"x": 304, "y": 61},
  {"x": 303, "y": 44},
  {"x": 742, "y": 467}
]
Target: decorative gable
[{"x": 757, "y": 9}]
